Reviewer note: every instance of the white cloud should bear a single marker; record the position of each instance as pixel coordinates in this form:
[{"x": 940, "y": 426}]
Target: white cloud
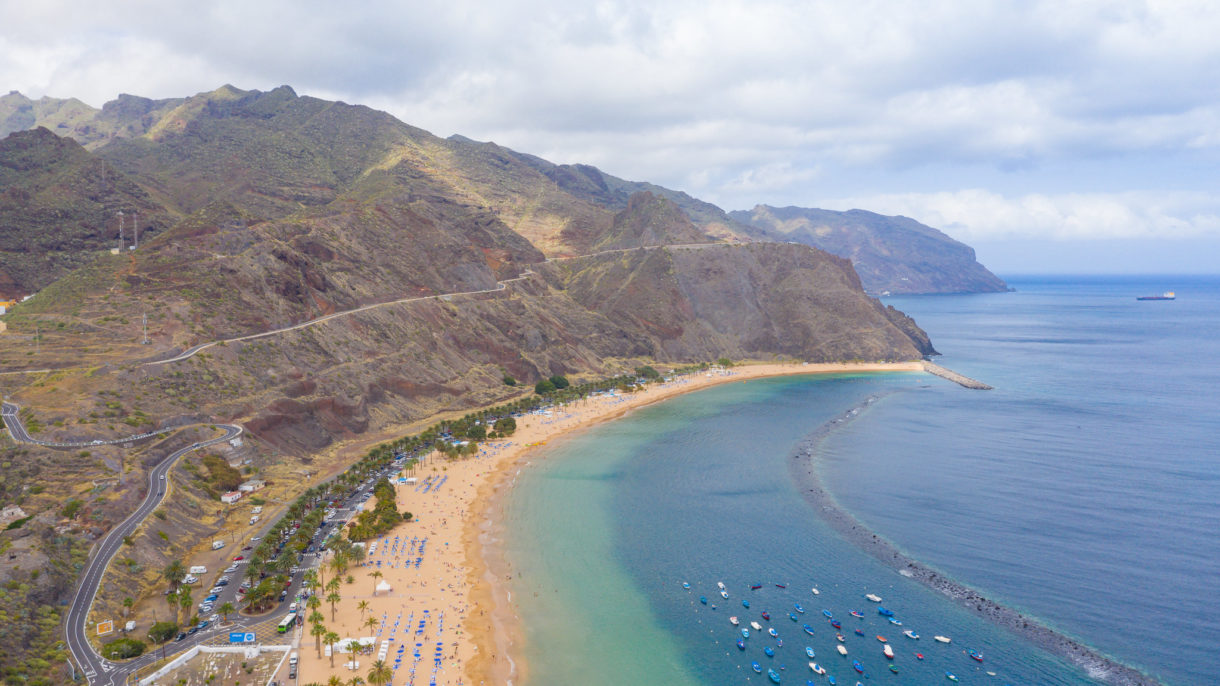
[
  {"x": 981, "y": 215},
  {"x": 737, "y": 101}
]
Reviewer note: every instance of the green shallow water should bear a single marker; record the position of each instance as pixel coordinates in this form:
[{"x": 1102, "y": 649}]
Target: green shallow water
[{"x": 603, "y": 527}]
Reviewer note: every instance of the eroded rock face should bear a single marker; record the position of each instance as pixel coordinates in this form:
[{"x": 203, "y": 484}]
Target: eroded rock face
[{"x": 894, "y": 254}]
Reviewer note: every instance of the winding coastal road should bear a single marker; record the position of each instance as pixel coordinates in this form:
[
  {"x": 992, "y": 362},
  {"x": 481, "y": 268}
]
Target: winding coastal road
[{"x": 97, "y": 669}]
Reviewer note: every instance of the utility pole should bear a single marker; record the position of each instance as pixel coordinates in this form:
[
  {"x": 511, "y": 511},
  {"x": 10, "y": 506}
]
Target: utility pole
[
  {"x": 136, "y": 228},
  {"x": 146, "y": 341},
  {"x": 120, "y": 231}
]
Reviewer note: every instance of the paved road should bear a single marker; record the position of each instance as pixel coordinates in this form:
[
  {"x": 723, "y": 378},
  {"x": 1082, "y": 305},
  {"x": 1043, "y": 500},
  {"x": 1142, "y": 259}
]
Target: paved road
[
  {"x": 97, "y": 669},
  {"x": 8, "y": 412}
]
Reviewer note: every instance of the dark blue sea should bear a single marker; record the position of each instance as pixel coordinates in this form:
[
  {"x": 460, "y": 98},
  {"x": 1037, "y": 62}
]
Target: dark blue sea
[{"x": 1080, "y": 491}]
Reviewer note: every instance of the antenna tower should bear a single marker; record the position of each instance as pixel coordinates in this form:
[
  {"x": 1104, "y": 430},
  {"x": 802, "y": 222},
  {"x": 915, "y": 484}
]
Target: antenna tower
[
  {"x": 120, "y": 230},
  {"x": 135, "y": 221},
  {"x": 146, "y": 341}
]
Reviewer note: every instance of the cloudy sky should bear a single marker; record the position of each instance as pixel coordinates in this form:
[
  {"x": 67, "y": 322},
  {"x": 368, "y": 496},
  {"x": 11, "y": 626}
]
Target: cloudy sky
[{"x": 1052, "y": 136}]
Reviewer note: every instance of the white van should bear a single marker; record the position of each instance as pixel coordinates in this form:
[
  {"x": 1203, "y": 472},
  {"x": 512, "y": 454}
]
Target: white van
[{"x": 292, "y": 659}]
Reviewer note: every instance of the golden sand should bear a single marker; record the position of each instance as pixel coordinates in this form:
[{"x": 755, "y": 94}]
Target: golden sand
[{"x": 455, "y": 586}]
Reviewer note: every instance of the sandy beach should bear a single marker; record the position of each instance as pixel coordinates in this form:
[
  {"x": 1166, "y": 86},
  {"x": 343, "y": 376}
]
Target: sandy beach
[{"x": 446, "y": 619}]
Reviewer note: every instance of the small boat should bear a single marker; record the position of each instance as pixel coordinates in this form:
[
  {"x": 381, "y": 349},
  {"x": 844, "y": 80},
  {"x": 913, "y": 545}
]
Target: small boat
[
  {"x": 773, "y": 676},
  {"x": 779, "y": 642},
  {"x": 724, "y": 594},
  {"x": 720, "y": 585},
  {"x": 942, "y": 639},
  {"x": 918, "y": 656},
  {"x": 859, "y": 633},
  {"x": 830, "y": 679},
  {"x": 839, "y": 638},
  {"x": 799, "y": 608},
  {"x": 756, "y": 626},
  {"x": 792, "y": 616},
  {"x": 733, "y": 621},
  {"x": 842, "y": 650},
  {"x": 766, "y": 615},
  {"x": 828, "y": 613},
  {"x": 757, "y": 667},
  {"x": 884, "y": 612},
  {"x": 1167, "y": 295},
  {"x": 881, "y": 638},
  {"x": 817, "y": 669},
  {"x": 770, "y": 652},
  {"x": 978, "y": 657},
  {"x": 855, "y": 664},
  {"x": 894, "y": 669},
  {"x": 755, "y": 587},
  {"x": 857, "y": 614},
  {"x": 836, "y": 624},
  {"x": 889, "y": 652},
  {"x": 809, "y": 651},
  {"x": 745, "y": 604},
  {"x": 911, "y": 634},
  {"x": 703, "y": 599},
  {"x": 895, "y": 622},
  {"x": 685, "y": 585},
  {"x": 808, "y": 629},
  {"x": 781, "y": 585},
  {"x": 950, "y": 676},
  {"x": 815, "y": 590},
  {"x": 873, "y": 597},
  {"x": 741, "y": 645},
  {"x": 745, "y": 633},
  {"x": 771, "y": 630}
]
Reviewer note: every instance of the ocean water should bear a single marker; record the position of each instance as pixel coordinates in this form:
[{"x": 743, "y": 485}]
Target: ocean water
[{"x": 1080, "y": 491}]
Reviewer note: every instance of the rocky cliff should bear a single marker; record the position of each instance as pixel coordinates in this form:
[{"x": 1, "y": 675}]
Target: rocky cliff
[{"x": 891, "y": 254}]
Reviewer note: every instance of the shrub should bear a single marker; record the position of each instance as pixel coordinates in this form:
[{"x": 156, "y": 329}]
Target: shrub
[
  {"x": 543, "y": 387},
  {"x": 71, "y": 508},
  {"x": 560, "y": 382},
  {"x": 123, "y": 648},
  {"x": 505, "y": 426},
  {"x": 647, "y": 372},
  {"x": 509, "y": 381},
  {"x": 162, "y": 632}
]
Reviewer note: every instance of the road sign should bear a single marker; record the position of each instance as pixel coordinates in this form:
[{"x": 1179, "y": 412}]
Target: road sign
[{"x": 105, "y": 627}]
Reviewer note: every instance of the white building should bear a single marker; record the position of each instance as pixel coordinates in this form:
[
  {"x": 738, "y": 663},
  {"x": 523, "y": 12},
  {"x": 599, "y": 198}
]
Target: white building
[{"x": 231, "y": 497}]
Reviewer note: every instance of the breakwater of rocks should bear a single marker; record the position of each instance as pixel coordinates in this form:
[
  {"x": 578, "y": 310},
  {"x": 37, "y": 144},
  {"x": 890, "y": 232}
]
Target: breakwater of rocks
[
  {"x": 804, "y": 468},
  {"x": 959, "y": 379}
]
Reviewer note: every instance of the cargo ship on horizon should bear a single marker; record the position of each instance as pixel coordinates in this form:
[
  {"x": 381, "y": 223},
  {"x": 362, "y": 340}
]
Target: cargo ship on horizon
[{"x": 1167, "y": 295}]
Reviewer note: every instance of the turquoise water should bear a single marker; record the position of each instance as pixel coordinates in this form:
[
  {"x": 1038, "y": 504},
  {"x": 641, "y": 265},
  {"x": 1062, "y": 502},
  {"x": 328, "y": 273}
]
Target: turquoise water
[{"x": 1081, "y": 491}]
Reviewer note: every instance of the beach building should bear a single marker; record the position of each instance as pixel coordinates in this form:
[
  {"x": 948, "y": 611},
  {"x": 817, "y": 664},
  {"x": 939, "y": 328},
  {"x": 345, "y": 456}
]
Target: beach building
[{"x": 230, "y": 497}]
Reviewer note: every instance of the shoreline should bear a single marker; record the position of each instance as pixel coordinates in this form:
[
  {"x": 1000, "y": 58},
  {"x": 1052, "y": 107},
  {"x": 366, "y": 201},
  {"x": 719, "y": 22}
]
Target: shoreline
[
  {"x": 804, "y": 466},
  {"x": 455, "y": 578}
]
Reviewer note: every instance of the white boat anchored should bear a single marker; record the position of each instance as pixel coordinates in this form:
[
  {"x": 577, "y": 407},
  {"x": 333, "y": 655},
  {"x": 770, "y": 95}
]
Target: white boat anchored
[
  {"x": 873, "y": 597},
  {"x": 756, "y": 626},
  {"x": 942, "y": 639},
  {"x": 733, "y": 621},
  {"x": 842, "y": 650}
]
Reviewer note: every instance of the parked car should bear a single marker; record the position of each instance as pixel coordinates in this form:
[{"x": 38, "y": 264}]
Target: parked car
[
  {"x": 239, "y": 558},
  {"x": 180, "y": 637}
]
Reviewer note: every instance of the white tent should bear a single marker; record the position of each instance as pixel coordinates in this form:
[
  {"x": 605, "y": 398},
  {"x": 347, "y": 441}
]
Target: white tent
[
  {"x": 353, "y": 665},
  {"x": 349, "y": 645},
  {"x": 384, "y": 586},
  {"x": 368, "y": 641}
]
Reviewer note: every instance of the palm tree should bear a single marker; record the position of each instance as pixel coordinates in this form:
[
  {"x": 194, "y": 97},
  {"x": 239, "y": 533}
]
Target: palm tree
[
  {"x": 226, "y": 609},
  {"x": 333, "y": 599},
  {"x": 173, "y": 573},
  {"x": 333, "y": 680},
  {"x": 332, "y": 585},
  {"x": 376, "y": 576},
  {"x": 184, "y": 600},
  {"x": 317, "y": 631},
  {"x": 355, "y": 681},
  {"x": 357, "y": 554},
  {"x": 372, "y": 623},
  {"x": 363, "y": 606},
  {"x": 380, "y": 674},
  {"x": 330, "y": 639}
]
